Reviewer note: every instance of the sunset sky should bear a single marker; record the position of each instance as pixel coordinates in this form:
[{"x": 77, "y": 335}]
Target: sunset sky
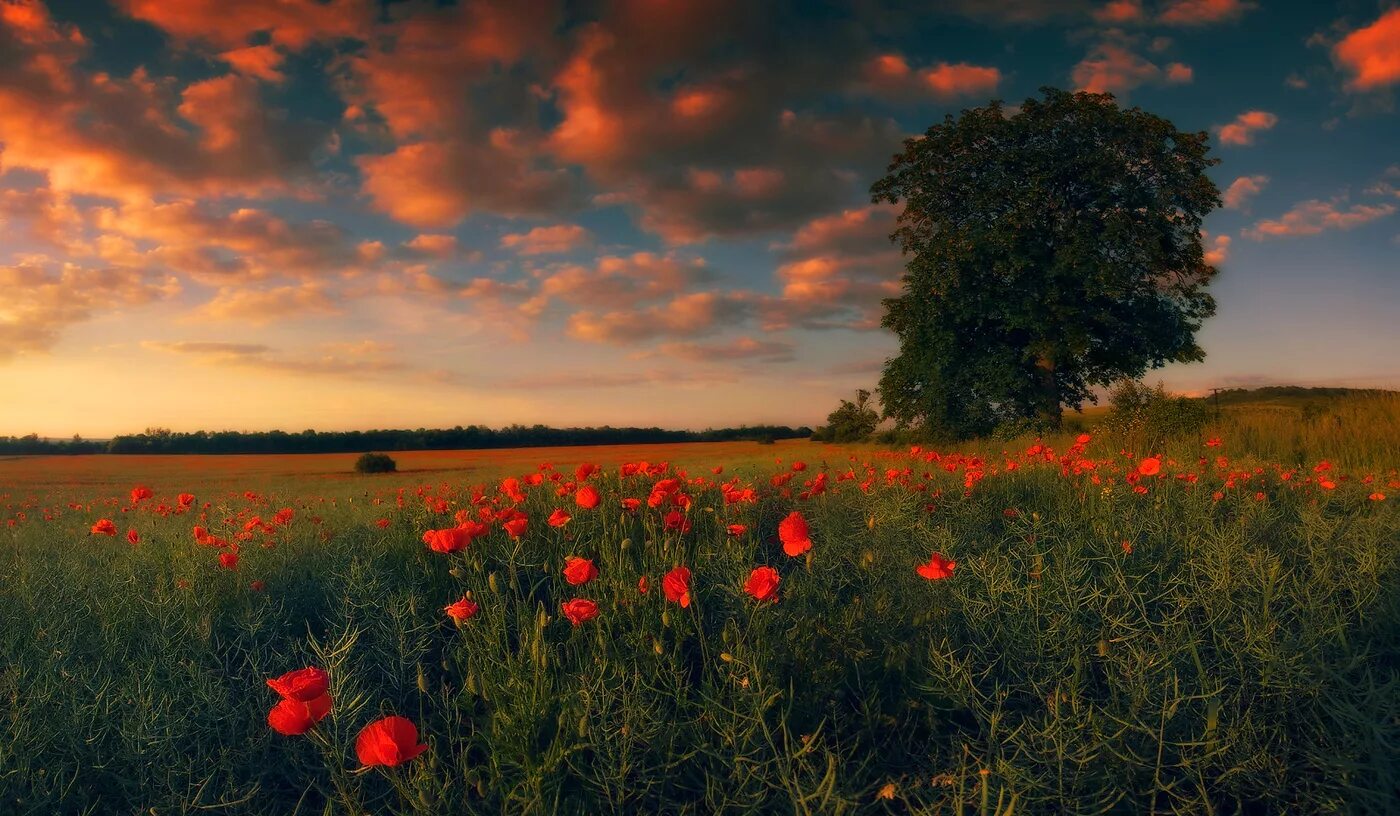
[{"x": 291, "y": 214}]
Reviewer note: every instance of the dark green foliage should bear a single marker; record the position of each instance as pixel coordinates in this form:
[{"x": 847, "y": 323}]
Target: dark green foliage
[
  {"x": 1049, "y": 251},
  {"x": 375, "y": 463},
  {"x": 851, "y": 422}
]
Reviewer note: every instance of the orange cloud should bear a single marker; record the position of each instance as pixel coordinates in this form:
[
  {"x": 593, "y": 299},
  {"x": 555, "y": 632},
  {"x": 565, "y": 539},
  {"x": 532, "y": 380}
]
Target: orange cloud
[
  {"x": 1372, "y": 53},
  {"x": 551, "y": 240},
  {"x": 741, "y": 348},
  {"x": 690, "y": 315},
  {"x": 258, "y": 61},
  {"x": 1241, "y": 131},
  {"x": 290, "y": 23},
  {"x": 891, "y": 75},
  {"x": 262, "y": 306},
  {"x": 41, "y": 300},
  {"x": 1241, "y": 190},
  {"x": 1314, "y": 216},
  {"x": 1113, "y": 68},
  {"x": 139, "y": 135},
  {"x": 1118, "y": 12},
  {"x": 619, "y": 281},
  {"x": 1217, "y": 250},
  {"x": 1203, "y": 12}
]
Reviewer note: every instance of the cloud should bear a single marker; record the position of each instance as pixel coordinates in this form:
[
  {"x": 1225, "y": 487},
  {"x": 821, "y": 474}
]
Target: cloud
[
  {"x": 1203, "y": 12},
  {"x": 1241, "y": 190},
  {"x": 1313, "y": 217},
  {"x": 289, "y": 23},
  {"x": 1119, "y": 12},
  {"x": 890, "y": 75},
  {"x": 41, "y": 300},
  {"x": 139, "y": 135},
  {"x": 353, "y": 360},
  {"x": 1217, "y": 250},
  {"x": 551, "y": 240},
  {"x": 1113, "y": 68},
  {"x": 1371, "y": 54},
  {"x": 742, "y": 348},
  {"x": 836, "y": 271},
  {"x": 262, "y": 306},
  {"x": 1241, "y": 131},
  {"x": 686, "y": 316},
  {"x": 619, "y": 281}
]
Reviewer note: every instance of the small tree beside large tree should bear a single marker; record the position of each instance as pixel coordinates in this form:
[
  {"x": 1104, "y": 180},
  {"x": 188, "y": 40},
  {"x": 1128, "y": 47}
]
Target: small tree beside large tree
[{"x": 1049, "y": 250}]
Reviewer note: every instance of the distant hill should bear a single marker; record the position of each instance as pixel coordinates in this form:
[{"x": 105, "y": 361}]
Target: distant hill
[{"x": 1290, "y": 395}]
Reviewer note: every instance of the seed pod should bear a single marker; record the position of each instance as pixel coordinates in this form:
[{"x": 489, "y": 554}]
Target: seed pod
[{"x": 491, "y": 582}]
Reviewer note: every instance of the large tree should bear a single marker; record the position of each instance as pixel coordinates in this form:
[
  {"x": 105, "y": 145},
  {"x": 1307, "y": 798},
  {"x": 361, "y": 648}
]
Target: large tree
[{"x": 1049, "y": 250}]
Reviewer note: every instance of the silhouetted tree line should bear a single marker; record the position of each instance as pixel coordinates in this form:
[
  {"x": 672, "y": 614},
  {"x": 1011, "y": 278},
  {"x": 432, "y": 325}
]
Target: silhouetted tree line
[{"x": 160, "y": 440}]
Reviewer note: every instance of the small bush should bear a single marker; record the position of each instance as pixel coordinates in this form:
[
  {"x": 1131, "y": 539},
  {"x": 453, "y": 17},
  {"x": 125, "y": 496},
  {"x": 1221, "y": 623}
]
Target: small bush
[
  {"x": 1151, "y": 416},
  {"x": 375, "y": 463}
]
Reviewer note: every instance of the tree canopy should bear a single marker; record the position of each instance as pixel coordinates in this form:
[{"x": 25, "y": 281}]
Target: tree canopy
[{"x": 1049, "y": 250}]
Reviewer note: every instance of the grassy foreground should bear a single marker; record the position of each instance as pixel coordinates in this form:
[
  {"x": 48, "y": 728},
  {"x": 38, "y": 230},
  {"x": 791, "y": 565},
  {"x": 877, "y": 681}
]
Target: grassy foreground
[{"x": 1221, "y": 636}]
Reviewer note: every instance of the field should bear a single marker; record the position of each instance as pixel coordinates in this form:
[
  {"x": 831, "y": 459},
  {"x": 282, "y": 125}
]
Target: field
[{"x": 1077, "y": 624}]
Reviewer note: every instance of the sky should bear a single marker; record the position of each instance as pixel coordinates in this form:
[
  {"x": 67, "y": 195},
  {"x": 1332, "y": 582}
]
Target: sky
[{"x": 301, "y": 214}]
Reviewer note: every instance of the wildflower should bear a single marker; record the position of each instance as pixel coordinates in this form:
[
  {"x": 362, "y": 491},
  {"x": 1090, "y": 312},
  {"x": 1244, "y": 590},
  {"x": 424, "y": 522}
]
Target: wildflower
[
  {"x": 104, "y": 527},
  {"x": 937, "y": 568},
  {"x": 389, "y": 742},
  {"x": 587, "y": 497},
  {"x": 451, "y": 540},
  {"x": 1150, "y": 466},
  {"x": 133, "y": 537},
  {"x": 763, "y": 584},
  {"x": 643, "y": 585},
  {"x": 1377, "y": 496},
  {"x": 794, "y": 534},
  {"x": 462, "y": 610},
  {"x": 737, "y": 529},
  {"x": 631, "y": 505},
  {"x": 516, "y": 526},
  {"x": 579, "y": 610},
  {"x": 292, "y": 718},
  {"x": 228, "y": 560},
  {"x": 676, "y": 585},
  {"x": 579, "y": 571},
  {"x": 140, "y": 493},
  {"x": 304, "y": 685},
  {"x": 559, "y": 518},
  {"x": 257, "y": 586}
]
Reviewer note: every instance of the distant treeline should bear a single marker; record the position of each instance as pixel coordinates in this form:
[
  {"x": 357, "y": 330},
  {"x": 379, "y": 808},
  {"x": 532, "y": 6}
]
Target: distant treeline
[{"x": 159, "y": 440}]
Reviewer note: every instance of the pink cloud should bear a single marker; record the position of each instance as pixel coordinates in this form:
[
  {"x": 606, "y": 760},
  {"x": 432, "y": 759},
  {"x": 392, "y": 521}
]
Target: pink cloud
[
  {"x": 1241, "y": 131},
  {"x": 891, "y": 75},
  {"x": 290, "y": 23},
  {"x": 690, "y": 315},
  {"x": 1372, "y": 53},
  {"x": 259, "y": 61},
  {"x": 552, "y": 240},
  {"x": 1113, "y": 68},
  {"x": 1241, "y": 190},
  {"x": 262, "y": 306},
  {"x": 1118, "y": 12},
  {"x": 1217, "y": 249},
  {"x": 42, "y": 300},
  {"x": 1314, "y": 216}
]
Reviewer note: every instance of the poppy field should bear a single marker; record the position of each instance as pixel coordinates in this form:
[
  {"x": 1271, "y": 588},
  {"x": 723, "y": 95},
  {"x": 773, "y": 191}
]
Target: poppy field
[{"x": 1068, "y": 624}]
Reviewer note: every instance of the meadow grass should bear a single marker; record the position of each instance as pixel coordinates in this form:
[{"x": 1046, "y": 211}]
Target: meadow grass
[{"x": 1219, "y": 638}]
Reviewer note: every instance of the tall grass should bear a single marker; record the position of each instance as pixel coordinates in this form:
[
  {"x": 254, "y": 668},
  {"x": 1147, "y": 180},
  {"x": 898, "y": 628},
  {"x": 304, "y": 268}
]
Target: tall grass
[{"x": 1098, "y": 649}]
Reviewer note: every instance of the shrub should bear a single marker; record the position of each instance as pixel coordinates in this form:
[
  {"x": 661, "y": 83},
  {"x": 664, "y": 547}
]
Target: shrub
[
  {"x": 375, "y": 463},
  {"x": 1150, "y": 416}
]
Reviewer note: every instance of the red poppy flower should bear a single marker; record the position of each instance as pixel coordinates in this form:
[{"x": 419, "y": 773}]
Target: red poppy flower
[
  {"x": 1150, "y": 466},
  {"x": 579, "y": 571},
  {"x": 133, "y": 536},
  {"x": 228, "y": 560},
  {"x": 643, "y": 585},
  {"x": 579, "y": 610},
  {"x": 1377, "y": 496},
  {"x": 462, "y": 610},
  {"x": 559, "y": 518},
  {"x": 140, "y": 493},
  {"x": 293, "y": 717},
  {"x": 794, "y": 534},
  {"x": 104, "y": 527},
  {"x": 676, "y": 585},
  {"x": 676, "y": 520},
  {"x": 937, "y": 568},
  {"x": 763, "y": 584},
  {"x": 447, "y": 541},
  {"x": 631, "y": 505},
  {"x": 584, "y": 471},
  {"x": 587, "y": 497},
  {"x": 737, "y": 529},
  {"x": 389, "y": 742},
  {"x": 185, "y": 500},
  {"x": 516, "y": 526},
  {"x": 303, "y": 684},
  {"x": 257, "y": 586}
]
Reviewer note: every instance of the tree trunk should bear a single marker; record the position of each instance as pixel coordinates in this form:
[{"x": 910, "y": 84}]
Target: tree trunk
[{"x": 1048, "y": 412}]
